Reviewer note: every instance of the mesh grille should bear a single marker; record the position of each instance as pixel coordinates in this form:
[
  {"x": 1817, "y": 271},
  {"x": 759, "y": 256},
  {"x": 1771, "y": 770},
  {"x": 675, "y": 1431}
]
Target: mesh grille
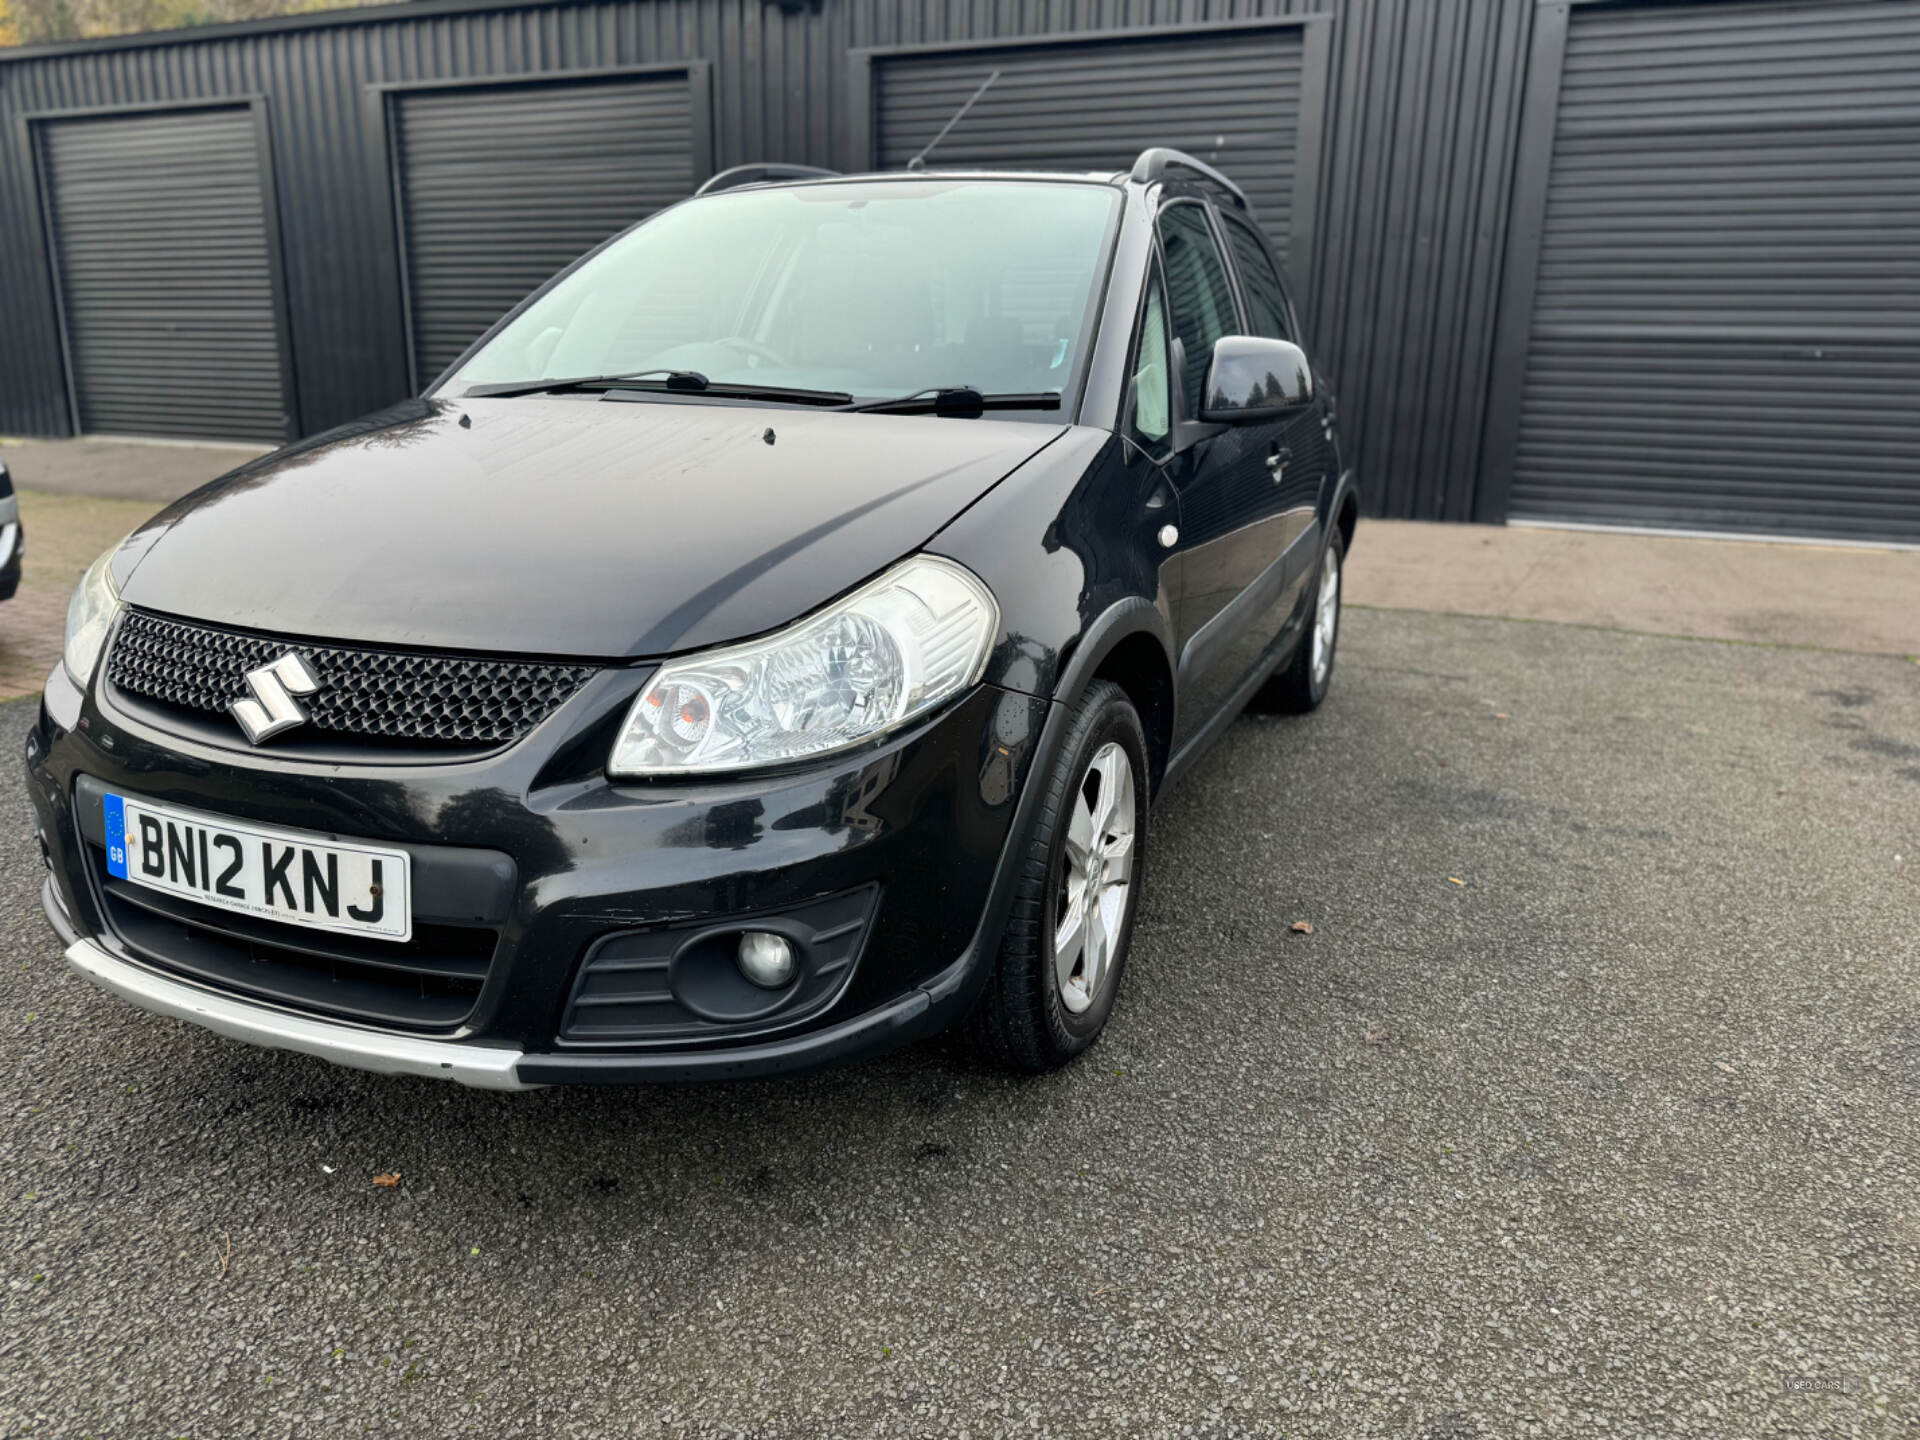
[{"x": 373, "y": 695}]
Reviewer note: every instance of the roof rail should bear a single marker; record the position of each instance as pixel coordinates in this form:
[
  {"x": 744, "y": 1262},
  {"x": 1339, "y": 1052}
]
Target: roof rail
[
  {"x": 755, "y": 174},
  {"x": 1153, "y": 165}
]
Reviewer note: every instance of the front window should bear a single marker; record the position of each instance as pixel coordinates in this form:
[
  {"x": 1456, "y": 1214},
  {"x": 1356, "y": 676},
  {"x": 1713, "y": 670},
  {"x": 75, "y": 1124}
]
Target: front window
[
  {"x": 1199, "y": 293},
  {"x": 878, "y": 289}
]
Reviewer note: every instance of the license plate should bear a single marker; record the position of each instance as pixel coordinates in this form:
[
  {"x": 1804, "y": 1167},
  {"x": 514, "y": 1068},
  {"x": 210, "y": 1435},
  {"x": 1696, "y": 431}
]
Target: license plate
[{"x": 257, "y": 870}]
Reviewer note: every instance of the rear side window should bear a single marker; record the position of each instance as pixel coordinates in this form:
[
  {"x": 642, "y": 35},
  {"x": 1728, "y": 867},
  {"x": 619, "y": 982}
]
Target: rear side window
[
  {"x": 1259, "y": 281},
  {"x": 1198, "y": 296}
]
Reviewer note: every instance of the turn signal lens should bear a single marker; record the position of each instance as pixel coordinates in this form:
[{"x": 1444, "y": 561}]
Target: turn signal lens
[{"x": 892, "y": 650}]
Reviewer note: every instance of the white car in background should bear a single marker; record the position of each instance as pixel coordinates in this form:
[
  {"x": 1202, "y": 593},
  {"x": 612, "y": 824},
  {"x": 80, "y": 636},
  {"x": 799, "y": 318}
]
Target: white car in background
[{"x": 12, "y": 544}]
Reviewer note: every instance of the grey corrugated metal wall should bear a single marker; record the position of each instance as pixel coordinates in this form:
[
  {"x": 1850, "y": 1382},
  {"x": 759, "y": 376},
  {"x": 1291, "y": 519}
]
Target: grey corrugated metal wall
[
  {"x": 1229, "y": 97},
  {"x": 1415, "y": 162},
  {"x": 1726, "y": 322}
]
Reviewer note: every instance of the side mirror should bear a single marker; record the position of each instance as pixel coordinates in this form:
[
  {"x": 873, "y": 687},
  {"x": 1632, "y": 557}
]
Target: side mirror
[{"x": 1253, "y": 378}]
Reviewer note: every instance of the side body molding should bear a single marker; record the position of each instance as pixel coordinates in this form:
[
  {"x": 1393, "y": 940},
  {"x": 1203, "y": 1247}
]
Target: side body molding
[{"x": 1282, "y": 573}]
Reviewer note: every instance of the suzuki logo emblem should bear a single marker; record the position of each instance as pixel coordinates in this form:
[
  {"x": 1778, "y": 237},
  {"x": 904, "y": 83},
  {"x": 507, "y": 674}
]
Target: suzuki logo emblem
[{"x": 273, "y": 708}]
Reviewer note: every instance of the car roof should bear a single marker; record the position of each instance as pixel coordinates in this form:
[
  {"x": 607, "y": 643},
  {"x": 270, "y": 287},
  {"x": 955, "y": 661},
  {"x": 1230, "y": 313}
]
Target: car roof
[
  {"x": 1158, "y": 165},
  {"x": 935, "y": 172}
]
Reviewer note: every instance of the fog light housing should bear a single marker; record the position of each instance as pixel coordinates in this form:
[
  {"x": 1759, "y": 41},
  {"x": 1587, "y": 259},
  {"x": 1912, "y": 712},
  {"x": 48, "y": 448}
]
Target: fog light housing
[{"x": 765, "y": 958}]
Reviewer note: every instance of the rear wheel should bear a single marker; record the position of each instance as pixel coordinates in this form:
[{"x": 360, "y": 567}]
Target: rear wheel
[
  {"x": 1302, "y": 684},
  {"x": 1066, "y": 944}
]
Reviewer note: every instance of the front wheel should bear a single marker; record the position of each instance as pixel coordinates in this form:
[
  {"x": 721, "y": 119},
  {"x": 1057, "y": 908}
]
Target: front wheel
[
  {"x": 1302, "y": 684},
  {"x": 1066, "y": 943}
]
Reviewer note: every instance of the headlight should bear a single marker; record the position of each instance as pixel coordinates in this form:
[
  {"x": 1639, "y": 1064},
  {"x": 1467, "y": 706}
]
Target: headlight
[
  {"x": 89, "y": 614},
  {"x": 886, "y": 653}
]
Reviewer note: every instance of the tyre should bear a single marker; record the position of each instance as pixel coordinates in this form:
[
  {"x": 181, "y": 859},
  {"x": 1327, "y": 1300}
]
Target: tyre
[
  {"x": 1079, "y": 887},
  {"x": 1301, "y": 684}
]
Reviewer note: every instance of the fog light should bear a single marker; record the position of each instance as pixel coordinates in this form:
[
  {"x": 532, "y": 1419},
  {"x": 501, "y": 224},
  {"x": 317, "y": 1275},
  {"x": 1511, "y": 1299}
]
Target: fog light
[{"x": 766, "y": 959}]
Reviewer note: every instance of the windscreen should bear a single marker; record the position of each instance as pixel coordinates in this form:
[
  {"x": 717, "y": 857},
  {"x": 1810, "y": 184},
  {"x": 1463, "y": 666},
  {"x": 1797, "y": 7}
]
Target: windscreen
[{"x": 878, "y": 289}]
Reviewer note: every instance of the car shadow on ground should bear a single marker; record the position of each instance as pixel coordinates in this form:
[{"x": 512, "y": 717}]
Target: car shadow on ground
[{"x": 299, "y": 1126}]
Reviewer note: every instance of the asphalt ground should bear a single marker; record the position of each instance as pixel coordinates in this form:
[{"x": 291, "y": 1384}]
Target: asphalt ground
[{"x": 1590, "y": 1107}]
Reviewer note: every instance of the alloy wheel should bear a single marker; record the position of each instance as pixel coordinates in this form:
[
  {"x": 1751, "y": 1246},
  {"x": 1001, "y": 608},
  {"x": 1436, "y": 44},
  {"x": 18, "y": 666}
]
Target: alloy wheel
[
  {"x": 1326, "y": 616},
  {"x": 1096, "y": 871}
]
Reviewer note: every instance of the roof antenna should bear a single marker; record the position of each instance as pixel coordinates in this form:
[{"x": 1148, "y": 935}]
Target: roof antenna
[{"x": 919, "y": 162}]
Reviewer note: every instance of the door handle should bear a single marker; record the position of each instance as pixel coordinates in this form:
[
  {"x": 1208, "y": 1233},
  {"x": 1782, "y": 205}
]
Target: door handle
[{"x": 1277, "y": 462}]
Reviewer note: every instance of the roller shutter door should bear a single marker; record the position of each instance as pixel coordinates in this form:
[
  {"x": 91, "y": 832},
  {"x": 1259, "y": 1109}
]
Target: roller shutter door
[
  {"x": 166, "y": 274},
  {"x": 1726, "y": 328},
  {"x": 500, "y": 188},
  {"x": 1231, "y": 100}
]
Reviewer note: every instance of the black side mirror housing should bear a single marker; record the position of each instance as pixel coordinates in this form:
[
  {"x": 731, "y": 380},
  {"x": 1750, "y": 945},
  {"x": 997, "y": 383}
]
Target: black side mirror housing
[{"x": 1255, "y": 378}]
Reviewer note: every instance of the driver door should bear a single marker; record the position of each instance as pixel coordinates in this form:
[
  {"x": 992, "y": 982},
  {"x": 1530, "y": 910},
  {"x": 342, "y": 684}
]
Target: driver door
[{"x": 1234, "y": 522}]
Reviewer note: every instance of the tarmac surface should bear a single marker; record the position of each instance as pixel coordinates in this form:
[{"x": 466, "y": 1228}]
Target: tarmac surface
[{"x": 1590, "y": 1106}]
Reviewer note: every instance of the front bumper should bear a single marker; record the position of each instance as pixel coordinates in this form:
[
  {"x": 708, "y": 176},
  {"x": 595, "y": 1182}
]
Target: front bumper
[
  {"x": 922, "y": 822},
  {"x": 486, "y": 1067}
]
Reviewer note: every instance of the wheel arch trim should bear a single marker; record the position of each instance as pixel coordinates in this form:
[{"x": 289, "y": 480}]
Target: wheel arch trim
[
  {"x": 1346, "y": 491},
  {"x": 1098, "y": 642}
]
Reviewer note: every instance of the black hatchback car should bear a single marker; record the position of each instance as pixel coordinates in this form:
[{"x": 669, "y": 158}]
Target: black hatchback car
[{"x": 759, "y": 650}]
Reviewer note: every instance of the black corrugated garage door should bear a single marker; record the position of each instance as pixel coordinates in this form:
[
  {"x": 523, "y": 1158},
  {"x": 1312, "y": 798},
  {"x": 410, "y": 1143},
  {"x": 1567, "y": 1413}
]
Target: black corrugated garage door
[
  {"x": 1726, "y": 326},
  {"x": 499, "y": 188},
  {"x": 167, "y": 287},
  {"x": 1232, "y": 100}
]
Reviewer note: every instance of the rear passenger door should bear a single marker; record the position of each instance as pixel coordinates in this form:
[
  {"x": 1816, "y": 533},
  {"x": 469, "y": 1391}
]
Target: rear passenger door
[{"x": 1233, "y": 527}]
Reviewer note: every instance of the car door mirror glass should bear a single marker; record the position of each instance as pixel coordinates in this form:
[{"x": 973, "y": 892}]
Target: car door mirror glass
[{"x": 1255, "y": 378}]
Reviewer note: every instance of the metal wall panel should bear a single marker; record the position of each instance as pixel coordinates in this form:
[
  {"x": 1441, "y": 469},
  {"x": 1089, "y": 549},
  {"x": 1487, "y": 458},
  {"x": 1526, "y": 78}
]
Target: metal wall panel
[
  {"x": 1726, "y": 318},
  {"x": 501, "y": 187},
  {"x": 1230, "y": 98},
  {"x": 33, "y": 392},
  {"x": 166, "y": 274},
  {"x": 1399, "y": 293}
]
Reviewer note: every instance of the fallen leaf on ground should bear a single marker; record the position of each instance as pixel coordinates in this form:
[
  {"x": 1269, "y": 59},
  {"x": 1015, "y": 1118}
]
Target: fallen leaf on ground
[
  {"x": 1376, "y": 1035},
  {"x": 1455, "y": 880},
  {"x": 1301, "y": 927},
  {"x": 1501, "y": 715},
  {"x": 389, "y": 1180}
]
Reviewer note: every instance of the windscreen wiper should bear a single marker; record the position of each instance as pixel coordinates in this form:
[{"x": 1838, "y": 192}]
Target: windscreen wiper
[
  {"x": 729, "y": 390},
  {"x": 678, "y": 382},
  {"x": 961, "y": 400},
  {"x": 674, "y": 380}
]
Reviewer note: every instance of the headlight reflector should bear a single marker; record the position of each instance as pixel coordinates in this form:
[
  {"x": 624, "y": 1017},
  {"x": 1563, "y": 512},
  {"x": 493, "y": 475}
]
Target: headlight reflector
[
  {"x": 890, "y": 651},
  {"x": 89, "y": 615}
]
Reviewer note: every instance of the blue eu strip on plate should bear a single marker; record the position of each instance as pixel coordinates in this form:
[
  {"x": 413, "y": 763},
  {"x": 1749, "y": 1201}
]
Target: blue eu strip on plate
[{"x": 116, "y": 810}]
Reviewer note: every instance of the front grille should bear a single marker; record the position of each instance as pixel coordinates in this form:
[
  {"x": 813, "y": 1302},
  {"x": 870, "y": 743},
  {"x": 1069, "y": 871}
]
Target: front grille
[{"x": 366, "y": 695}]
